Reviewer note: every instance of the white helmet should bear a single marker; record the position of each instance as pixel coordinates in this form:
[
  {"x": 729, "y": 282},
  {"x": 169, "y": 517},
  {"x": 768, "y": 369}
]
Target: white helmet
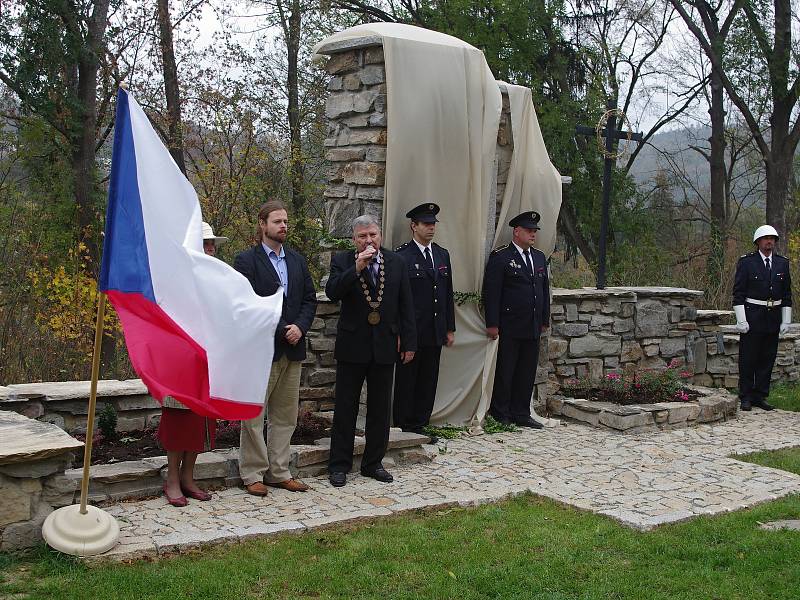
[{"x": 763, "y": 231}]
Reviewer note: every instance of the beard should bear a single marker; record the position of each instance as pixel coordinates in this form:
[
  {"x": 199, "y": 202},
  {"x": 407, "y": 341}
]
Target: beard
[{"x": 277, "y": 237}]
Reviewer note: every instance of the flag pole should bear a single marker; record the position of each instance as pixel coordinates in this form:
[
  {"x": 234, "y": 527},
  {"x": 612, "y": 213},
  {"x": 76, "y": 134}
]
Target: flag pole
[{"x": 83, "y": 530}]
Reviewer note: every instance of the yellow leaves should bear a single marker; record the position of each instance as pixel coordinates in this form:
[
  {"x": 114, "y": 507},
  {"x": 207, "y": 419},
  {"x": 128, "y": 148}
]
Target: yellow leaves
[{"x": 67, "y": 302}]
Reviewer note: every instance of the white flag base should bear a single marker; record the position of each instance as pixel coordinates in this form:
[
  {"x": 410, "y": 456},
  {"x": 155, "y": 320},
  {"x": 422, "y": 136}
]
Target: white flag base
[{"x": 70, "y": 532}]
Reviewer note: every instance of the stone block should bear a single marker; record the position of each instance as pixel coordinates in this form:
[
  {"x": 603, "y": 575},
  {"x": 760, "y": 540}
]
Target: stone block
[
  {"x": 670, "y": 347},
  {"x": 317, "y": 324},
  {"x": 369, "y": 192},
  {"x": 368, "y": 136},
  {"x": 565, "y": 371},
  {"x": 334, "y": 174},
  {"x": 356, "y": 121},
  {"x": 308, "y": 393},
  {"x": 651, "y": 350},
  {"x": 700, "y": 355},
  {"x": 211, "y": 465},
  {"x": 595, "y": 344},
  {"x": 60, "y": 490},
  {"x": 374, "y": 209},
  {"x": 611, "y": 361},
  {"x": 351, "y": 82},
  {"x": 625, "y": 420},
  {"x": 580, "y": 412},
  {"x": 556, "y": 347},
  {"x": 26, "y": 440},
  {"x": 652, "y": 319},
  {"x": 335, "y": 84},
  {"x": 378, "y": 119},
  {"x": 703, "y": 379},
  {"x": 373, "y": 55},
  {"x": 376, "y": 154},
  {"x": 571, "y": 329},
  {"x": 339, "y": 104},
  {"x": 654, "y": 363},
  {"x": 322, "y": 376},
  {"x": 630, "y": 351},
  {"x": 26, "y": 534},
  {"x": 340, "y": 217},
  {"x": 15, "y": 501},
  {"x": 600, "y": 321},
  {"x": 372, "y": 74},
  {"x": 322, "y": 344},
  {"x": 380, "y": 103},
  {"x": 363, "y": 101},
  {"x": 343, "y": 62},
  {"x": 327, "y": 359},
  {"x": 36, "y": 468},
  {"x": 130, "y": 470},
  {"x": 682, "y": 412},
  {"x": 572, "y": 312},
  {"x": 721, "y": 365},
  {"x": 345, "y": 154},
  {"x": 622, "y": 325},
  {"x": 364, "y": 173}
]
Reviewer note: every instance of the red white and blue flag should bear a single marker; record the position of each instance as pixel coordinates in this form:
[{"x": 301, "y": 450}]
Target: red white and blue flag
[{"x": 194, "y": 327}]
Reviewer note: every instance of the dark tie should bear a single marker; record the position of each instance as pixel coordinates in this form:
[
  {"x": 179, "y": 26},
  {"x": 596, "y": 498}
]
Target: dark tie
[
  {"x": 769, "y": 269},
  {"x": 428, "y": 259},
  {"x": 528, "y": 261},
  {"x": 373, "y": 272}
]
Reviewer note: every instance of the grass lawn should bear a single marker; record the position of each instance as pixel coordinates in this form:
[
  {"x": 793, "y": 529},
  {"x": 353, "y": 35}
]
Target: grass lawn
[
  {"x": 523, "y": 548},
  {"x": 786, "y": 459},
  {"x": 785, "y": 396}
]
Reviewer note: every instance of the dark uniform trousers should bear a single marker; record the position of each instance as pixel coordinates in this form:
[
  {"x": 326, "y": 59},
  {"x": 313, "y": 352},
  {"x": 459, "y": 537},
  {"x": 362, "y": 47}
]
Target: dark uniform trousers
[
  {"x": 517, "y": 301},
  {"x": 415, "y": 383},
  {"x": 759, "y": 346},
  {"x": 367, "y": 352}
]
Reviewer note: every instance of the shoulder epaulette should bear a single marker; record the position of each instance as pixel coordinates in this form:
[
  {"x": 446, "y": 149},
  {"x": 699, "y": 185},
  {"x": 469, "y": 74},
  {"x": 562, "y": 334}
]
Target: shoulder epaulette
[
  {"x": 500, "y": 248},
  {"x": 401, "y": 246},
  {"x": 780, "y": 256}
]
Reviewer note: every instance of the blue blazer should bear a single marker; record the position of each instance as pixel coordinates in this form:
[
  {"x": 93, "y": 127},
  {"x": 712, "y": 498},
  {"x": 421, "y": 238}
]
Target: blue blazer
[{"x": 299, "y": 305}]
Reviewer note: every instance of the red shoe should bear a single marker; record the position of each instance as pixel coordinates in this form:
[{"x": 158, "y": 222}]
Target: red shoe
[
  {"x": 198, "y": 495},
  {"x": 180, "y": 501}
]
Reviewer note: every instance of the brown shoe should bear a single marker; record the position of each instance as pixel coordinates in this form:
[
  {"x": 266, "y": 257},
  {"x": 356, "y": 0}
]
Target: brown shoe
[
  {"x": 257, "y": 489},
  {"x": 293, "y": 485}
]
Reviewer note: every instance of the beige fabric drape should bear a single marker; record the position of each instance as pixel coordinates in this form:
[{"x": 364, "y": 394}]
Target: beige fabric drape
[{"x": 443, "y": 114}]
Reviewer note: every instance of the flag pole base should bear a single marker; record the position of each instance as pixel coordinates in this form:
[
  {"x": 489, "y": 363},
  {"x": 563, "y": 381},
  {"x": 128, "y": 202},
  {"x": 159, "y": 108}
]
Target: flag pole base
[{"x": 70, "y": 532}]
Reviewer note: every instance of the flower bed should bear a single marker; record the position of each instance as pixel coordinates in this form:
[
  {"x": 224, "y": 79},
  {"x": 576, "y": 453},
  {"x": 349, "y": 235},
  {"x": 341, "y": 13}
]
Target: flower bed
[{"x": 668, "y": 385}]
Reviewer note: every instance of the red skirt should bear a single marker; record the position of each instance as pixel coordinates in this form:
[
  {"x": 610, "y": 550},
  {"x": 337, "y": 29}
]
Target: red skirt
[{"x": 180, "y": 430}]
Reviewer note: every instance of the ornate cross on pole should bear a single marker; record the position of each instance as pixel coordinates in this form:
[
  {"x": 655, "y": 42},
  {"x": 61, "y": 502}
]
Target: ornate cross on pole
[{"x": 607, "y": 128}]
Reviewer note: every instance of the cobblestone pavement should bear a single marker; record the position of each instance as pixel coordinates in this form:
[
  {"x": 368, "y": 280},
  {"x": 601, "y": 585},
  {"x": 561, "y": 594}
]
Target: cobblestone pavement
[{"x": 640, "y": 480}]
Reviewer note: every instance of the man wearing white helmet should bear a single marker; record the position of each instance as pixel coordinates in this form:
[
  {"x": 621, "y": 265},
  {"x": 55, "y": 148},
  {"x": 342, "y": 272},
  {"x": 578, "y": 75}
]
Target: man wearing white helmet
[{"x": 762, "y": 301}]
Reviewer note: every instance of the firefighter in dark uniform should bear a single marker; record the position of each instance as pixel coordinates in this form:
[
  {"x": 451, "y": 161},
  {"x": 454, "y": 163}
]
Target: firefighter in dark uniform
[
  {"x": 516, "y": 297},
  {"x": 431, "y": 279},
  {"x": 762, "y": 301}
]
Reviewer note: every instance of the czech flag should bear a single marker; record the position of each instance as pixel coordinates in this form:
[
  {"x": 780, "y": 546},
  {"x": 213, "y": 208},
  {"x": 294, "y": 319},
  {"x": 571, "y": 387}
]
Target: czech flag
[{"x": 194, "y": 327}]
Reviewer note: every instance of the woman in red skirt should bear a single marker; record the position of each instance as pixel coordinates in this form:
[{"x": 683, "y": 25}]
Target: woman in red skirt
[{"x": 184, "y": 434}]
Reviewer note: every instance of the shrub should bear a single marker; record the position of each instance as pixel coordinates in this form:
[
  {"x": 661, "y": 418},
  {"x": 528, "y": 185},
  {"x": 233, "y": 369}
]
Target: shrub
[
  {"x": 635, "y": 388},
  {"x": 107, "y": 422}
]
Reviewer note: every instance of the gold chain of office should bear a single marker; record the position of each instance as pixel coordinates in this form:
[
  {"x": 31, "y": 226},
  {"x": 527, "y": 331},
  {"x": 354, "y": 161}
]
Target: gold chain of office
[{"x": 601, "y": 141}]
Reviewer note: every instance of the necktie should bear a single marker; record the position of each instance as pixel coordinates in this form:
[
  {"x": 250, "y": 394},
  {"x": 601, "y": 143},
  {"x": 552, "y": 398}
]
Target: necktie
[
  {"x": 528, "y": 261},
  {"x": 769, "y": 268},
  {"x": 373, "y": 271},
  {"x": 428, "y": 258}
]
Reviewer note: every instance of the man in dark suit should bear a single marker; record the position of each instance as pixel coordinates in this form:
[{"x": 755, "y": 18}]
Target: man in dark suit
[
  {"x": 516, "y": 296},
  {"x": 270, "y": 266},
  {"x": 762, "y": 301},
  {"x": 376, "y": 322},
  {"x": 431, "y": 278}
]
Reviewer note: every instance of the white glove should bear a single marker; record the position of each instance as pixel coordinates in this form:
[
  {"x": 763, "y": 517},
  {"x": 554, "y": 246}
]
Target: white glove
[
  {"x": 742, "y": 326},
  {"x": 786, "y": 318}
]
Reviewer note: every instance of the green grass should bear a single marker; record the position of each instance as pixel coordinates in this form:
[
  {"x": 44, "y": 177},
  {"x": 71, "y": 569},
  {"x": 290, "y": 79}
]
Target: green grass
[
  {"x": 785, "y": 396},
  {"x": 523, "y": 548},
  {"x": 786, "y": 459}
]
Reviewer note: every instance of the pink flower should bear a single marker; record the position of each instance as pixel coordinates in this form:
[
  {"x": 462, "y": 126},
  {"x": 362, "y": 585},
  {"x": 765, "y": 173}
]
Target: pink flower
[
  {"x": 685, "y": 374},
  {"x": 613, "y": 376}
]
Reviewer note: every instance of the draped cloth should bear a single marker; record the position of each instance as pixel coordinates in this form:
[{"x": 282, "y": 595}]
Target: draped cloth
[{"x": 443, "y": 114}]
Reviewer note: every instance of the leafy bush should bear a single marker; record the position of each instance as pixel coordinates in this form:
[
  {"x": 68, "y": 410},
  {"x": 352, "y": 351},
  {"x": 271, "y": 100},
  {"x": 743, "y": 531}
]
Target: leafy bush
[
  {"x": 107, "y": 422},
  {"x": 636, "y": 388}
]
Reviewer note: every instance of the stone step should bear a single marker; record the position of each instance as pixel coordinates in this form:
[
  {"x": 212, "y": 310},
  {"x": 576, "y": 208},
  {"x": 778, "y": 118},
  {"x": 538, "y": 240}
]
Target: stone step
[{"x": 220, "y": 468}]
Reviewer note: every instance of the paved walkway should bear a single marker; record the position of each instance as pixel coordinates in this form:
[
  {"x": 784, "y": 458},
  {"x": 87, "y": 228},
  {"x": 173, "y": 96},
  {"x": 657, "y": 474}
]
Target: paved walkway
[{"x": 642, "y": 481}]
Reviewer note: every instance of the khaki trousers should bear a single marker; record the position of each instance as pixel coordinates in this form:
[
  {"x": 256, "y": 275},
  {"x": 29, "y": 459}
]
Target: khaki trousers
[{"x": 269, "y": 461}]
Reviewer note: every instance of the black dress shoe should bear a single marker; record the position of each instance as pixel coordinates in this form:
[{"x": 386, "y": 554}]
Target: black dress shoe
[
  {"x": 528, "y": 422},
  {"x": 337, "y": 478},
  {"x": 762, "y": 404},
  {"x": 379, "y": 474},
  {"x": 746, "y": 405}
]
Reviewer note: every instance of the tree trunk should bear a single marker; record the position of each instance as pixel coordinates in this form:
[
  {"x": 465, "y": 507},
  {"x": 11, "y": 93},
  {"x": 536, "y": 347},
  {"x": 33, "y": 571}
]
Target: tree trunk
[
  {"x": 171, "y": 87},
  {"x": 719, "y": 216},
  {"x": 293, "y": 108},
  {"x": 84, "y": 136}
]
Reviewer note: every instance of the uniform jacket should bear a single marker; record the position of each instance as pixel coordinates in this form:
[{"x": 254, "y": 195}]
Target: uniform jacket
[
  {"x": 751, "y": 281},
  {"x": 513, "y": 300},
  {"x": 299, "y": 306},
  {"x": 356, "y": 340},
  {"x": 432, "y": 290}
]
